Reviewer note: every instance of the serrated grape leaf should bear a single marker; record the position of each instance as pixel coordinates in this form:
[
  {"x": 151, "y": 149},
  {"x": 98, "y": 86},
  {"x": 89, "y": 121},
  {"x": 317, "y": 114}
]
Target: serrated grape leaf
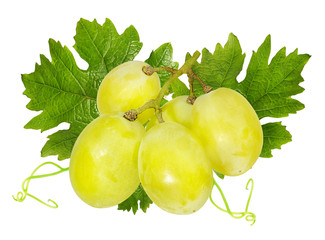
[
  {"x": 269, "y": 87},
  {"x": 163, "y": 57},
  {"x": 61, "y": 142},
  {"x": 103, "y": 48},
  {"x": 139, "y": 196},
  {"x": 220, "y": 68},
  {"x": 275, "y": 135},
  {"x": 66, "y": 93}
]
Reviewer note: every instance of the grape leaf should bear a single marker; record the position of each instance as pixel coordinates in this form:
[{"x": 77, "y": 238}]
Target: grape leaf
[
  {"x": 221, "y": 68},
  {"x": 162, "y": 57},
  {"x": 66, "y": 93},
  {"x": 275, "y": 135},
  {"x": 139, "y": 196},
  {"x": 103, "y": 48},
  {"x": 269, "y": 87},
  {"x": 61, "y": 142}
]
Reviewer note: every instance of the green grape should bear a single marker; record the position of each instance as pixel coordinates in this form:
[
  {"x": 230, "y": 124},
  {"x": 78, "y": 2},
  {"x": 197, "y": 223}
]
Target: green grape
[
  {"x": 128, "y": 87},
  {"x": 103, "y": 164},
  {"x": 173, "y": 169},
  {"x": 176, "y": 110},
  {"x": 229, "y": 130}
]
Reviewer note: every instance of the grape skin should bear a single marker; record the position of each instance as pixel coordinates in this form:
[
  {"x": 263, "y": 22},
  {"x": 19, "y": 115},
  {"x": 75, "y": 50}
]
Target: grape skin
[
  {"x": 173, "y": 169},
  {"x": 229, "y": 130},
  {"x": 177, "y": 110},
  {"x": 103, "y": 164},
  {"x": 128, "y": 87}
]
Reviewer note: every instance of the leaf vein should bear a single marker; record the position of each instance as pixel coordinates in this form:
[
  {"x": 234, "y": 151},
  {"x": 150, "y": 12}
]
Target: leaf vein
[
  {"x": 276, "y": 85},
  {"x": 229, "y": 65},
  {"x": 93, "y": 43},
  {"x": 63, "y": 91},
  {"x": 58, "y": 143}
]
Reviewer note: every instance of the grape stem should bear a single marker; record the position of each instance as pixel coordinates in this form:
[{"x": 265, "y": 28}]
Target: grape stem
[
  {"x": 191, "y": 76},
  {"x": 21, "y": 196},
  {"x": 149, "y": 70},
  {"x": 132, "y": 114},
  {"x": 249, "y": 216},
  {"x": 192, "y": 97},
  {"x": 206, "y": 88}
]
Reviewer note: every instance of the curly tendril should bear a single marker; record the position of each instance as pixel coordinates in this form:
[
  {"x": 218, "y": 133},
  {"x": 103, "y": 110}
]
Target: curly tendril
[
  {"x": 21, "y": 196},
  {"x": 249, "y": 216}
]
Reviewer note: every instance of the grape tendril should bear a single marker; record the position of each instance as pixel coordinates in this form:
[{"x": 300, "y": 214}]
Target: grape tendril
[
  {"x": 249, "y": 216},
  {"x": 21, "y": 196}
]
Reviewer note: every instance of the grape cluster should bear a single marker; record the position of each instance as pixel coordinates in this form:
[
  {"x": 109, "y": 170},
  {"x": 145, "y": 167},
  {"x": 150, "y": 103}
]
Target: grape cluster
[{"x": 173, "y": 160}]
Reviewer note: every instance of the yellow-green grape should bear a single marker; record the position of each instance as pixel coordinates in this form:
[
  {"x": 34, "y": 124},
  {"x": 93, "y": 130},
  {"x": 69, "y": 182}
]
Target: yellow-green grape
[
  {"x": 229, "y": 130},
  {"x": 176, "y": 110},
  {"x": 173, "y": 169},
  {"x": 127, "y": 87},
  {"x": 104, "y": 160}
]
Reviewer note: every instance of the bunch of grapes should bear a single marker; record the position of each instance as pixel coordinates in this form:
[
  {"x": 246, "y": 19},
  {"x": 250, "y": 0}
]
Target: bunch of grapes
[{"x": 172, "y": 156}]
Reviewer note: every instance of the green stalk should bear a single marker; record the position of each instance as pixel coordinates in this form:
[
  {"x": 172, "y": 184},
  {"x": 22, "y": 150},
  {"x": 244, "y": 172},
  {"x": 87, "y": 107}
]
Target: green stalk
[{"x": 132, "y": 114}]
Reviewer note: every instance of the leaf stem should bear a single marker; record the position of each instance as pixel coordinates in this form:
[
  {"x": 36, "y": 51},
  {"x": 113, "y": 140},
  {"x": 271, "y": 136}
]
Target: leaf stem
[
  {"x": 149, "y": 70},
  {"x": 159, "y": 115},
  {"x": 191, "y": 98}
]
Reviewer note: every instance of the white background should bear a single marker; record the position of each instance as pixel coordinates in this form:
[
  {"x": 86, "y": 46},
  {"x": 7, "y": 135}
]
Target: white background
[{"x": 288, "y": 198}]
